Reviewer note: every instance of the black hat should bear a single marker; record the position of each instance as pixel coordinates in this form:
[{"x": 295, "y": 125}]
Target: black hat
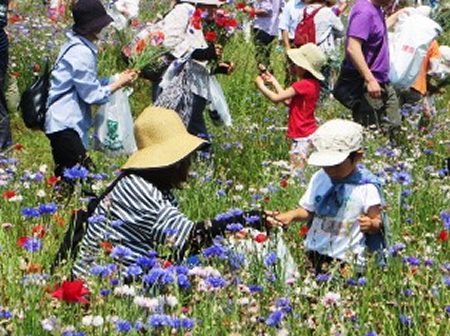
[{"x": 90, "y": 17}]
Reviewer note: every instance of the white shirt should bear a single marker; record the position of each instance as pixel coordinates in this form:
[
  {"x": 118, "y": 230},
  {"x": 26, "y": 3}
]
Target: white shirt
[{"x": 339, "y": 237}]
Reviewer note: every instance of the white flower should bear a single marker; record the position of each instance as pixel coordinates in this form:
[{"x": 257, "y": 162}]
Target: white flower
[
  {"x": 49, "y": 324},
  {"x": 43, "y": 169},
  {"x": 87, "y": 320},
  {"x": 170, "y": 300},
  {"x": 125, "y": 290},
  {"x": 16, "y": 198},
  {"x": 239, "y": 187},
  {"x": 97, "y": 321},
  {"x": 150, "y": 303},
  {"x": 243, "y": 301},
  {"x": 331, "y": 299},
  {"x": 41, "y": 193}
]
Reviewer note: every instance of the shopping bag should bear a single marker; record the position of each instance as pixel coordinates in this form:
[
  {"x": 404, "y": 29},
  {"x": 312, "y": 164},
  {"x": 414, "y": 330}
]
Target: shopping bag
[
  {"x": 408, "y": 45},
  {"x": 218, "y": 107},
  {"x": 113, "y": 126}
]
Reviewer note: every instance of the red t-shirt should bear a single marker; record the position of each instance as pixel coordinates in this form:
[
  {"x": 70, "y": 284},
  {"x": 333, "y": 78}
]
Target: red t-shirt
[{"x": 302, "y": 121}]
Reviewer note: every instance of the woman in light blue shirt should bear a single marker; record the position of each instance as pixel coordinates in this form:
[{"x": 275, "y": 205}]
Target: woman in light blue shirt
[{"x": 75, "y": 87}]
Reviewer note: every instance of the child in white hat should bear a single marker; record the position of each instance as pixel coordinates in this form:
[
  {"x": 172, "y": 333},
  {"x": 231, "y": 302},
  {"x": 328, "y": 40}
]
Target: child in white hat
[
  {"x": 343, "y": 202},
  {"x": 301, "y": 97}
]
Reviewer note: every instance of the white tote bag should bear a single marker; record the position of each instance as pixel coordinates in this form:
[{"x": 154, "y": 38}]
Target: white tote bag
[
  {"x": 113, "y": 125},
  {"x": 408, "y": 46}
]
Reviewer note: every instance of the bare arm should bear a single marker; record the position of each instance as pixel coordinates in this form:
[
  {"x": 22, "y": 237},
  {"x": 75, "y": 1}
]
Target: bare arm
[
  {"x": 285, "y": 39},
  {"x": 354, "y": 50},
  {"x": 275, "y": 97},
  {"x": 285, "y": 219},
  {"x": 371, "y": 222}
]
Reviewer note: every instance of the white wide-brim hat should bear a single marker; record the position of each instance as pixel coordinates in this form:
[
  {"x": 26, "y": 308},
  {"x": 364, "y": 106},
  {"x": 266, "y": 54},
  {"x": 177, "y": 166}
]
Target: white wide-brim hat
[
  {"x": 205, "y": 2},
  {"x": 162, "y": 139},
  {"x": 310, "y": 57},
  {"x": 334, "y": 141}
]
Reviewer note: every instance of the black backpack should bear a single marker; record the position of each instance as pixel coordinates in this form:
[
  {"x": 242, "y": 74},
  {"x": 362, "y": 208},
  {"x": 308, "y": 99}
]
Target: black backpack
[
  {"x": 34, "y": 100},
  {"x": 78, "y": 226}
]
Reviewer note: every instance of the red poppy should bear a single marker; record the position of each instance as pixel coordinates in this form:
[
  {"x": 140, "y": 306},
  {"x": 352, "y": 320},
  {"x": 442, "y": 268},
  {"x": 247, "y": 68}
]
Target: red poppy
[
  {"x": 303, "y": 231},
  {"x": 220, "y": 21},
  {"x": 21, "y": 241},
  {"x": 284, "y": 183},
  {"x": 231, "y": 23},
  {"x": 196, "y": 19},
  {"x": 18, "y": 147},
  {"x": 167, "y": 264},
  {"x": 15, "y": 74},
  {"x": 443, "y": 236},
  {"x": 15, "y": 18},
  {"x": 266, "y": 199},
  {"x": 9, "y": 194},
  {"x": 59, "y": 220},
  {"x": 71, "y": 291},
  {"x": 261, "y": 238},
  {"x": 240, "y": 5},
  {"x": 52, "y": 180},
  {"x": 140, "y": 45},
  {"x": 39, "y": 231},
  {"x": 211, "y": 36},
  {"x": 134, "y": 23},
  {"x": 106, "y": 247}
]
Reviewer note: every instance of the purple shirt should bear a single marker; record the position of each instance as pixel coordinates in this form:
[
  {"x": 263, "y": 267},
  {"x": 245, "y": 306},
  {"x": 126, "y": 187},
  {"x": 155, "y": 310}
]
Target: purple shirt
[{"x": 367, "y": 23}]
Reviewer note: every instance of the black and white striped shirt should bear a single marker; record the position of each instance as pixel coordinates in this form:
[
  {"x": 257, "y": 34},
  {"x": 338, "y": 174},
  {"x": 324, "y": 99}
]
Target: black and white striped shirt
[{"x": 139, "y": 217}]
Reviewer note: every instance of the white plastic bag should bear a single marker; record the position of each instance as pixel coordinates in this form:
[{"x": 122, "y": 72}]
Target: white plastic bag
[
  {"x": 218, "y": 103},
  {"x": 113, "y": 126},
  {"x": 122, "y": 11},
  {"x": 408, "y": 46}
]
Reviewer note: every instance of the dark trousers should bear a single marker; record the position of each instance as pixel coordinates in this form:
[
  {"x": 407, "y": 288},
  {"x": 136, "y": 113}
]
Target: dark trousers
[
  {"x": 197, "y": 124},
  {"x": 68, "y": 151},
  {"x": 5, "y": 126},
  {"x": 263, "y": 42}
]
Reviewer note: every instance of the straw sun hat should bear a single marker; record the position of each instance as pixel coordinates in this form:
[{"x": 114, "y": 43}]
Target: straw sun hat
[
  {"x": 162, "y": 139},
  {"x": 309, "y": 57}
]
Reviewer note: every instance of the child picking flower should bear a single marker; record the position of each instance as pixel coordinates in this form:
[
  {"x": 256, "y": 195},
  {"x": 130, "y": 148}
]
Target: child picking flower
[{"x": 301, "y": 97}]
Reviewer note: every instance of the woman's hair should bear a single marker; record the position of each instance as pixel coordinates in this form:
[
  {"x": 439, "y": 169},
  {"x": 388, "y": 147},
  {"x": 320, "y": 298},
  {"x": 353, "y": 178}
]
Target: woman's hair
[{"x": 165, "y": 178}]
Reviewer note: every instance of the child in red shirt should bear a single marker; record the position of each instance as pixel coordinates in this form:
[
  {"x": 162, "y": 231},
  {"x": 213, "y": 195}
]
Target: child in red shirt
[{"x": 301, "y": 97}]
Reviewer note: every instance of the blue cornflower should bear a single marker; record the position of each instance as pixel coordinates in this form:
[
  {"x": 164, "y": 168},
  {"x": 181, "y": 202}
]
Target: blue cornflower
[
  {"x": 33, "y": 244},
  {"x": 99, "y": 270},
  {"x": 282, "y": 302},
  {"x": 403, "y": 178},
  {"x": 270, "y": 259},
  {"x": 408, "y": 292},
  {"x": 159, "y": 320},
  {"x": 323, "y": 277},
  {"x": 180, "y": 269},
  {"x": 76, "y": 172},
  {"x": 445, "y": 216},
  {"x": 5, "y": 314},
  {"x": 183, "y": 281},
  {"x": 371, "y": 333},
  {"x": 166, "y": 278},
  {"x": 447, "y": 309},
  {"x": 30, "y": 212},
  {"x": 446, "y": 280},
  {"x": 146, "y": 262},
  {"x": 412, "y": 261},
  {"x": 351, "y": 282},
  {"x": 235, "y": 212},
  {"x": 252, "y": 219},
  {"x": 235, "y": 227},
  {"x": 405, "y": 320},
  {"x": 214, "y": 251},
  {"x": 187, "y": 323},
  {"x": 275, "y": 318},
  {"x": 397, "y": 248},
  {"x": 96, "y": 219},
  {"x": 215, "y": 282},
  {"x": 221, "y": 193},
  {"x": 120, "y": 252},
  {"x": 133, "y": 270},
  {"x": 362, "y": 281},
  {"x": 153, "y": 276},
  {"x": 105, "y": 292},
  {"x": 428, "y": 262},
  {"x": 123, "y": 326},
  {"x": 236, "y": 259},
  {"x": 139, "y": 325},
  {"x": 116, "y": 223},
  {"x": 254, "y": 288},
  {"x": 47, "y": 208}
]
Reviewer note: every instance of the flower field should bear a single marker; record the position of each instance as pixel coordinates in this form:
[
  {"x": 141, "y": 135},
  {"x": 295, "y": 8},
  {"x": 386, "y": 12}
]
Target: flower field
[{"x": 225, "y": 291}]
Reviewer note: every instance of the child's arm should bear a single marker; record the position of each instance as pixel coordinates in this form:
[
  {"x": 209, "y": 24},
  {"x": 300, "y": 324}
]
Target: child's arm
[
  {"x": 371, "y": 222},
  {"x": 285, "y": 219},
  {"x": 275, "y": 97}
]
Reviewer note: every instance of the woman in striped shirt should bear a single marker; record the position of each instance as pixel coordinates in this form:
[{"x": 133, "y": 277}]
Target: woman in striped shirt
[{"x": 140, "y": 213}]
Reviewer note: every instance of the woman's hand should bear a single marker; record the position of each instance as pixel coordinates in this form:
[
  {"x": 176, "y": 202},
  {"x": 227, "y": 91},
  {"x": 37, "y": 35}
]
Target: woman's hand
[
  {"x": 276, "y": 219},
  {"x": 226, "y": 67},
  {"x": 125, "y": 78}
]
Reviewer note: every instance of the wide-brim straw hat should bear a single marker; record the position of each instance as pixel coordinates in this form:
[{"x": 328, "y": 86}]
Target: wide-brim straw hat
[
  {"x": 310, "y": 57},
  {"x": 162, "y": 140},
  {"x": 205, "y": 2}
]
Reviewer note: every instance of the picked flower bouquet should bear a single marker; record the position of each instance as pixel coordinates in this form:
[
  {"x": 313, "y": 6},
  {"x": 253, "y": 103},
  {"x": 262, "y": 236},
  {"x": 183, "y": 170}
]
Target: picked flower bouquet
[{"x": 147, "y": 54}]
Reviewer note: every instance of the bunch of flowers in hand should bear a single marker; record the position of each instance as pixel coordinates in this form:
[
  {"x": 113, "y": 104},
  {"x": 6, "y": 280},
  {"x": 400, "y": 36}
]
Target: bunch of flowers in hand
[
  {"x": 147, "y": 51},
  {"x": 246, "y": 9}
]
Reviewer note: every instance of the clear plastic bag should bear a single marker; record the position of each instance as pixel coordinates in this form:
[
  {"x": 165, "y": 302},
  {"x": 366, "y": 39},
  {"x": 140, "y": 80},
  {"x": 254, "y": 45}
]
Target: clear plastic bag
[{"x": 113, "y": 125}]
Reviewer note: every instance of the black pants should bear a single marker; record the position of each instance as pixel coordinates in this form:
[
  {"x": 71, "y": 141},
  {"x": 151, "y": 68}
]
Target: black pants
[
  {"x": 68, "y": 151},
  {"x": 5, "y": 126},
  {"x": 197, "y": 124},
  {"x": 263, "y": 42}
]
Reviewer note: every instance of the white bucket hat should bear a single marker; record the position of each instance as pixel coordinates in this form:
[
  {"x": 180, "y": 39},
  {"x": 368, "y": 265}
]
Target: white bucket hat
[
  {"x": 334, "y": 141},
  {"x": 310, "y": 57},
  {"x": 205, "y": 2}
]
